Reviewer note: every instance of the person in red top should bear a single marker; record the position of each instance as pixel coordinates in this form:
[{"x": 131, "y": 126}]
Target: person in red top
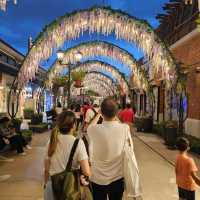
[
  {"x": 127, "y": 116},
  {"x": 186, "y": 178}
]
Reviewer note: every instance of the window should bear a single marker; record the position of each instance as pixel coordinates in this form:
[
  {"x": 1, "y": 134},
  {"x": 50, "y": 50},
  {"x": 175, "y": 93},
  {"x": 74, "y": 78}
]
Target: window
[
  {"x": 11, "y": 61},
  {"x": 3, "y": 57}
]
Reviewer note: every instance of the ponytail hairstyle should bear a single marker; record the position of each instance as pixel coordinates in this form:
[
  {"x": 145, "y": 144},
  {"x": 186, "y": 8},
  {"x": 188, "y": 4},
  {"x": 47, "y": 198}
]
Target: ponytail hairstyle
[{"x": 64, "y": 123}]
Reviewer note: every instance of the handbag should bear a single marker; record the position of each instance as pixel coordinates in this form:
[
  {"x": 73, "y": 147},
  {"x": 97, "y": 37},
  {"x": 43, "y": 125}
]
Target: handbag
[
  {"x": 66, "y": 185},
  {"x": 131, "y": 172}
]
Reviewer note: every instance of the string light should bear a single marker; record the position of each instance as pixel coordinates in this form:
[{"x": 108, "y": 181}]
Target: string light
[
  {"x": 3, "y": 4},
  {"x": 98, "y": 20}
]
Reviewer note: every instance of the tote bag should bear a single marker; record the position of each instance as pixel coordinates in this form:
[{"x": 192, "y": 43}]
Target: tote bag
[{"x": 131, "y": 172}]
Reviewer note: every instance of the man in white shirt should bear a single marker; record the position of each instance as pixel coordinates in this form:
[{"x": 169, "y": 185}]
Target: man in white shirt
[{"x": 106, "y": 144}]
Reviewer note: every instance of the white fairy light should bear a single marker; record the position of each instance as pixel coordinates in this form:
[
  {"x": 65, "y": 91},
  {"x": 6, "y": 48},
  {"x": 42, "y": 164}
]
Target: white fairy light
[
  {"x": 97, "y": 48},
  {"x": 102, "y": 21},
  {"x": 3, "y": 4}
]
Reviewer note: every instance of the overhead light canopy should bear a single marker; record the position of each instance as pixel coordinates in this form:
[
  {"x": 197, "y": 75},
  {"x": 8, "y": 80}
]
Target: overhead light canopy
[
  {"x": 60, "y": 55},
  {"x": 78, "y": 55}
]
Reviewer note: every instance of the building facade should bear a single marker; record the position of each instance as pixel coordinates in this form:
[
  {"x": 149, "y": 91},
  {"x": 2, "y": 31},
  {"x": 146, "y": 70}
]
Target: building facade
[
  {"x": 10, "y": 63},
  {"x": 178, "y": 29}
]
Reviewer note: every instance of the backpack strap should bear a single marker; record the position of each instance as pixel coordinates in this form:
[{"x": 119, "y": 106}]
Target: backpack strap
[
  {"x": 71, "y": 156},
  {"x": 95, "y": 114}
]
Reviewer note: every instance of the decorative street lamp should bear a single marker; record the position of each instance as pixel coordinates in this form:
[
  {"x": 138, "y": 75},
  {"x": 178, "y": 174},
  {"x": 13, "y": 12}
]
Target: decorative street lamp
[{"x": 60, "y": 56}]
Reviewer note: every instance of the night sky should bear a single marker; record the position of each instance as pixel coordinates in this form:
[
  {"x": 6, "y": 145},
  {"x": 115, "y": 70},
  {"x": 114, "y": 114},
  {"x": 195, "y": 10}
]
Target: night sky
[{"x": 28, "y": 18}]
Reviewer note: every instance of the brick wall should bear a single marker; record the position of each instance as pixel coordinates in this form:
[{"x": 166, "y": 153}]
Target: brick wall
[{"x": 189, "y": 53}]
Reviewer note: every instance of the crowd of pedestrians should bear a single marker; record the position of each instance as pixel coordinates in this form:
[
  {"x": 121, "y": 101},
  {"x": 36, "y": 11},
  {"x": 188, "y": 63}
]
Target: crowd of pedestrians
[
  {"x": 100, "y": 157},
  {"x": 86, "y": 157}
]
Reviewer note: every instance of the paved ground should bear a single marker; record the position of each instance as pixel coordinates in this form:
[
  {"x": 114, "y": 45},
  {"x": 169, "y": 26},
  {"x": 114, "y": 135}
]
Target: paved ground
[
  {"x": 158, "y": 166},
  {"x": 157, "y": 175},
  {"x": 26, "y": 173}
]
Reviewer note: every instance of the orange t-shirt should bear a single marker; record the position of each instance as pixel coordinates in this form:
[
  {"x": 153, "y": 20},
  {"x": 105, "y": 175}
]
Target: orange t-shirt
[{"x": 184, "y": 166}]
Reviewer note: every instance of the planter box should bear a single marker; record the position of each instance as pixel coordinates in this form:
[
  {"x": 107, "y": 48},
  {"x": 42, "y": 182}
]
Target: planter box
[
  {"x": 144, "y": 124},
  {"x": 28, "y": 114},
  {"x": 171, "y": 136},
  {"x": 39, "y": 128}
]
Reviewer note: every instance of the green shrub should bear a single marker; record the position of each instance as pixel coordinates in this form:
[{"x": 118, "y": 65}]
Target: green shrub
[
  {"x": 28, "y": 112},
  {"x": 17, "y": 123},
  {"x": 26, "y": 133},
  {"x": 39, "y": 128},
  {"x": 36, "y": 118}
]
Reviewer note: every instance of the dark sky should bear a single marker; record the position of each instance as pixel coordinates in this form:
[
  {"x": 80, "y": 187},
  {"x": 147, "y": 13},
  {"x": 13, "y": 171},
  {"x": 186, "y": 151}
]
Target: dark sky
[{"x": 29, "y": 17}]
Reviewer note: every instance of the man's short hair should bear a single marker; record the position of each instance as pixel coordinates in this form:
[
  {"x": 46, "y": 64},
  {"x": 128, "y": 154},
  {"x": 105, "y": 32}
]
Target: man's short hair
[
  {"x": 182, "y": 144},
  {"x": 109, "y": 108},
  {"x": 128, "y": 105}
]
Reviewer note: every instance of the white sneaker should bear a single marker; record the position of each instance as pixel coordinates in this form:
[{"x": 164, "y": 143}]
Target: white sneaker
[
  {"x": 4, "y": 177},
  {"x": 28, "y": 147},
  {"x": 22, "y": 154}
]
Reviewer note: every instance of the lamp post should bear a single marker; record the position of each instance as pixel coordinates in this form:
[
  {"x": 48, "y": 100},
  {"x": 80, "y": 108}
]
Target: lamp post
[{"x": 60, "y": 56}]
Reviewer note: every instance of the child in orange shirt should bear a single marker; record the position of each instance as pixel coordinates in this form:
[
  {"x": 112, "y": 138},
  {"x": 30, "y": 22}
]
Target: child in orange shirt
[{"x": 186, "y": 169}]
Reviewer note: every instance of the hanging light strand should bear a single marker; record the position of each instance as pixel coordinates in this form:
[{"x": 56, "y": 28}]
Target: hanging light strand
[{"x": 3, "y": 4}]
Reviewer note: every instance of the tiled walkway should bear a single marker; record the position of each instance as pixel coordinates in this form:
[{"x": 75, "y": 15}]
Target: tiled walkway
[
  {"x": 25, "y": 182},
  {"x": 157, "y": 174}
]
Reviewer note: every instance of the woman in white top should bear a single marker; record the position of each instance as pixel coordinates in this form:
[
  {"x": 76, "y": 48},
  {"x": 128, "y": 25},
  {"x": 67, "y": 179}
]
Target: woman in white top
[{"x": 59, "y": 148}]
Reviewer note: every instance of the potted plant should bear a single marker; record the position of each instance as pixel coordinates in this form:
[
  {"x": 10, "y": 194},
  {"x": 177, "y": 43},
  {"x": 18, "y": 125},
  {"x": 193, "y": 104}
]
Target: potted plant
[
  {"x": 36, "y": 118},
  {"x": 171, "y": 130},
  {"x": 60, "y": 81},
  {"x": 28, "y": 112},
  {"x": 77, "y": 77},
  {"x": 144, "y": 123}
]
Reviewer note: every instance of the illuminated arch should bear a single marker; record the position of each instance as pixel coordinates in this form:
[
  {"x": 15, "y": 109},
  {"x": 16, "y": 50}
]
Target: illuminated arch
[
  {"x": 106, "y": 49},
  {"x": 98, "y": 66},
  {"x": 96, "y": 76},
  {"x": 99, "y": 20},
  {"x": 100, "y": 83}
]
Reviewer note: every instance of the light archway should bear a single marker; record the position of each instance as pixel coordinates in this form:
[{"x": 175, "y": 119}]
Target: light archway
[
  {"x": 100, "y": 83},
  {"x": 104, "y": 21},
  {"x": 96, "y": 76},
  {"x": 106, "y": 49},
  {"x": 89, "y": 66}
]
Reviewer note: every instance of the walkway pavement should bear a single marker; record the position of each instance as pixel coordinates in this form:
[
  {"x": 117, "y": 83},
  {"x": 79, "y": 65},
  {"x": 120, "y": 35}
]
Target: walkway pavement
[
  {"x": 155, "y": 163},
  {"x": 25, "y": 182},
  {"x": 156, "y": 144}
]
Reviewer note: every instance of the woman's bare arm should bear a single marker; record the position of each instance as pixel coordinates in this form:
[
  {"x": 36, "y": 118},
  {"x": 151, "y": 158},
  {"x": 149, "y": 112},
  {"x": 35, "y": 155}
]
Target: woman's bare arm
[{"x": 85, "y": 167}]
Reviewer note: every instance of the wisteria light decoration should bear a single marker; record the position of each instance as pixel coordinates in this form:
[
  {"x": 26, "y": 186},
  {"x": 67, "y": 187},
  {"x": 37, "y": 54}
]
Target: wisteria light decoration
[
  {"x": 99, "y": 89},
  {"x": 99, "y": 83},
  {"x": 94, "y": 66},
  {"x": 97, "y": 48},
  {"x": 99, "y": 20},
  {"x": 101, "y": 78},
  {"x": 96, "y": 88},
  {"x": 3, "y": 4}
]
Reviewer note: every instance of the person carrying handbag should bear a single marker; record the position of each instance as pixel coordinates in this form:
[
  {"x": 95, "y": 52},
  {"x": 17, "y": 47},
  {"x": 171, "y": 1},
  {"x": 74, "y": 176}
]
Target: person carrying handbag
[
  {"x": 107, "y": 142},
  {"x": 65, "y": 155}
]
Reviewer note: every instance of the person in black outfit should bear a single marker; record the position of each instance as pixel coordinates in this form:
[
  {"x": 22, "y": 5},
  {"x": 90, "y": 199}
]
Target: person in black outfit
[{"x": 8, "y": 136}]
